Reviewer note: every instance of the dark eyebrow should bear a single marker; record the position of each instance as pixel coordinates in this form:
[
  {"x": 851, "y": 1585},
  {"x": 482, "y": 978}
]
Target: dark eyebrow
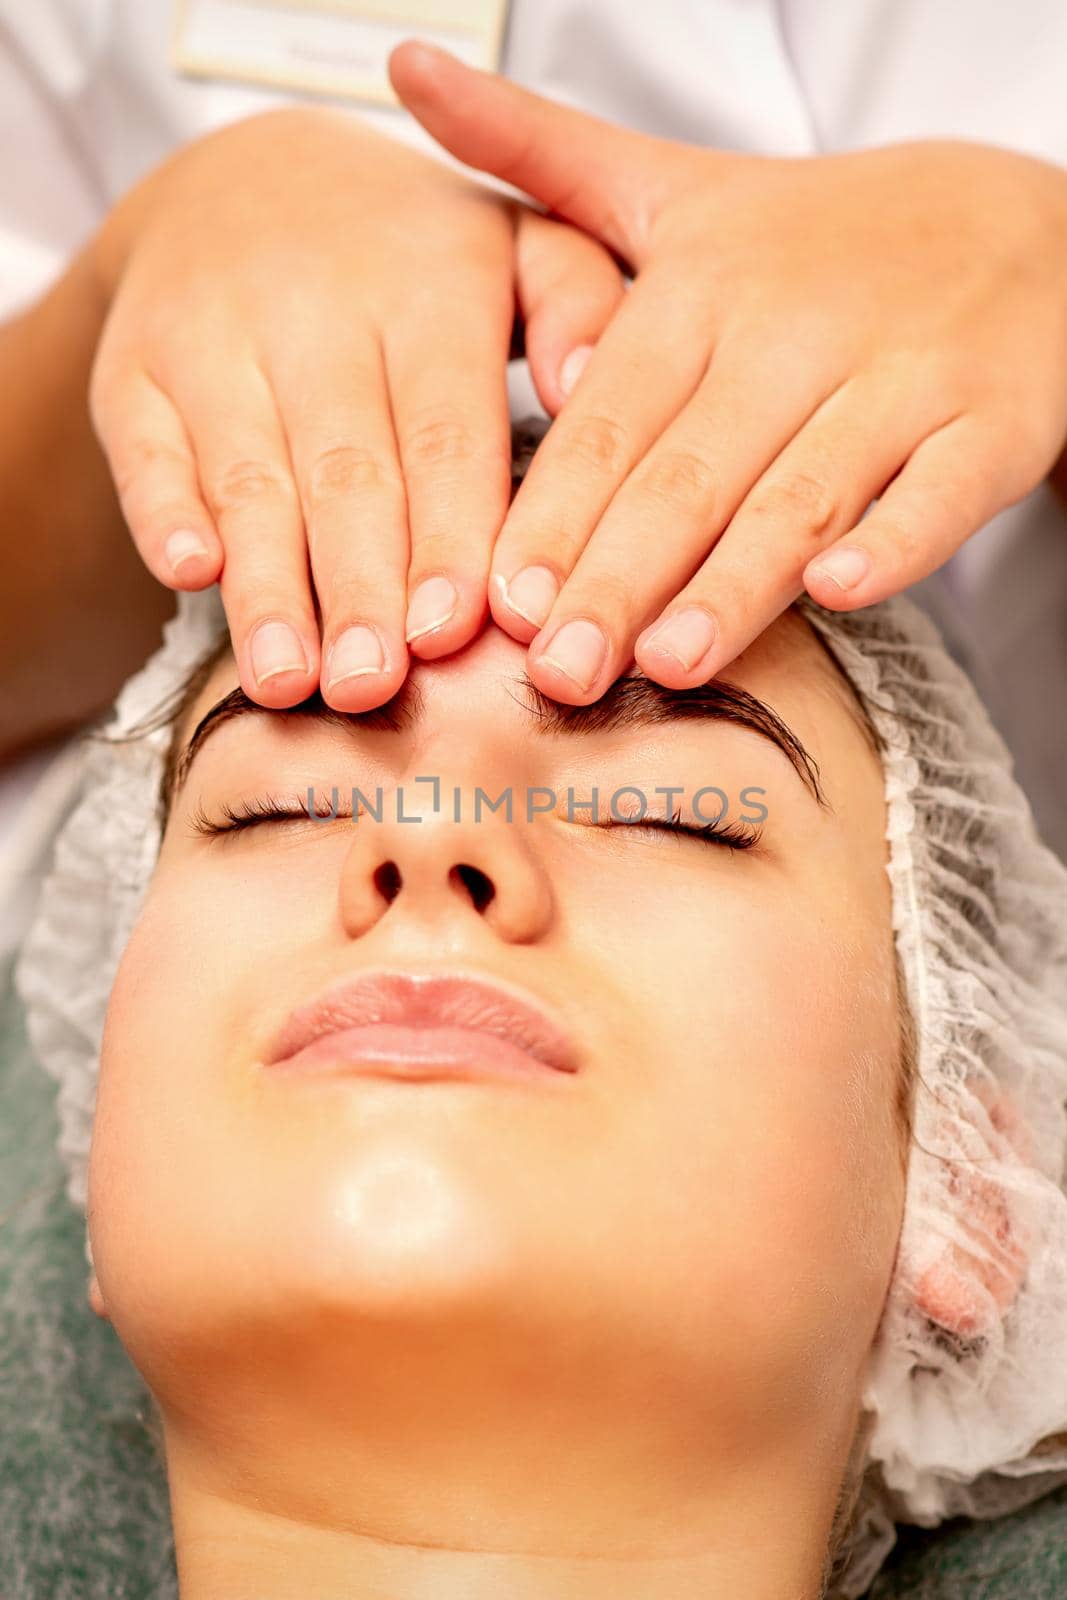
[
  {"x": 631, "y": 701},
  {"x": 634, "y": 701},
  {"x": 393, "y": 716}
]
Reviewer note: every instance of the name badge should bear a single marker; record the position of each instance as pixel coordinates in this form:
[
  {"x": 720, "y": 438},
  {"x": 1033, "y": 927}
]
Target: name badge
[{"x": 331, "y": 47}]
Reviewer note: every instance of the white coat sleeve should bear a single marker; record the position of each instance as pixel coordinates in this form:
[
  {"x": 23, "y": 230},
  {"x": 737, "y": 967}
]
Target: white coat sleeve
[{"x": 49, "y": 202}]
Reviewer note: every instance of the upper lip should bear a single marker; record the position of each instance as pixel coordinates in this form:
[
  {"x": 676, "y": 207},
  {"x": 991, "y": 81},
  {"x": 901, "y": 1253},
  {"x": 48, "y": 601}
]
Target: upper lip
[{"x": 425, "y": 1000}]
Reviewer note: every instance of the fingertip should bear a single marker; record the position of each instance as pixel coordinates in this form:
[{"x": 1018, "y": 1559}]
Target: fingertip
[
  {"x": 355, "y": 694},
  {"x": 433, "y": 605},
  {"x": 414, "y": 66},
  {"x": 281, "y": 665},
  {"x": 572, "y": 661},
  {"x": 443, "y": 641},
  {"x": 679, "y": 647},
  {"x": 433, "y": 641},
  {"x": 192, "y": 579},
  {"x": 444, "y": 613},
  {"x": 546, "y": 386},
  {"x": 662, "y": 667},
  {"x": 519, "y": 628},
  {"x": 838, "y": 578},
  {"x": 569, "y": 290},
  {"x": 559, "y": 685},
  {"x": 523, "y": 603},
  {"x": 572, "y": 368},
  {"x": 190, "y": 559},
  {"x": 831, "y": 598},
  {"x": 556, "y": 360},
  {"x": 281, "y": 689},
  {"x": 363, "y": 666}
]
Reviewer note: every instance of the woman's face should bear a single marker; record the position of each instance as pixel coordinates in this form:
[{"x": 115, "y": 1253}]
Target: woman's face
[{"x": 699, "y": 1222}]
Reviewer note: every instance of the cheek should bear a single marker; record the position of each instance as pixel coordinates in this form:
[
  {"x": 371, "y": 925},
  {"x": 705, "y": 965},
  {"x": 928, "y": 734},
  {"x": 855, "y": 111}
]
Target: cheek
[
  {"x": 764, "y": 1127},
  {"x": 165, "y": 1029}
]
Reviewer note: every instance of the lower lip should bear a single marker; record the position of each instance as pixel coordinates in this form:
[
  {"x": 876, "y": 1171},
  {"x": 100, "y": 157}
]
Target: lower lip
[{"x": 420, "y": 1055}]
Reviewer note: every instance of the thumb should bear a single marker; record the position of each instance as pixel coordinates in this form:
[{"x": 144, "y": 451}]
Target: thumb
[
  {"x": 568, "y": 288},
  {"x": 609, "y": 180}
]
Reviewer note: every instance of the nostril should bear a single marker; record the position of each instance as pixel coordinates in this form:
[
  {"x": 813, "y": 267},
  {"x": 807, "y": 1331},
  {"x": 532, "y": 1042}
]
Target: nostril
[
  {"x": 480, "y": 888},
  {"x": 387, "y": 880}
]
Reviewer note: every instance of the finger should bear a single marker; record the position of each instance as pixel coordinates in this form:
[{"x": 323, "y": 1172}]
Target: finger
[
  {"x": 246, "y": 475},
  {"x": 631, "y": 389},
  {"x": 976, "y": 1276},
  {"x": 448, "y": 387},
  {"x": 154, "y": 470},
  {"x": 337, "y": 416},
  {"x": 568, "y": 288},
  {"x": 673, "y": 507},
  {"x": 607, "y": 179},
  {"x": 953, "y": 483},
  {"x": 816, "y": 486}
]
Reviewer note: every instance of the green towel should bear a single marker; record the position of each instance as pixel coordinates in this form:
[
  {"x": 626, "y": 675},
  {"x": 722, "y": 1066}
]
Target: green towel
[
  {"x": 84, "y": 1513},
  {"x": 1022, "y": 1557}
]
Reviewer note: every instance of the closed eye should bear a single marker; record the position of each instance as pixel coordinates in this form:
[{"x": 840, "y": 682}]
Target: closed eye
[
  {"x": 249, "y": 813},
  {"x": 735, "y": 835}
]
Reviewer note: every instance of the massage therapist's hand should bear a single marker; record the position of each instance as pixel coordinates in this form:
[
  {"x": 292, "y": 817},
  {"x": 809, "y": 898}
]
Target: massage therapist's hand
[
  {"x": 802, "y": 336},
  {"x": 306, "y": 348}
]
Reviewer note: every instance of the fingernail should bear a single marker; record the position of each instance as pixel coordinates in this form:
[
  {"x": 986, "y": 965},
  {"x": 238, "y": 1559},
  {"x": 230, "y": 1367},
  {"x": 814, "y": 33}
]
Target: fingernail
[
  {"x": 577, "y": 650},
  {"x": 574, "y": 366},
  {"x": 686, "y": 635},
  {"x": 845, "y": 567},
  {"x": 354, "y": 653},
  {"x": 183, "y": 546},
  {"x": 531, "y": 594},
  {"x": 433, "y": 602},
  {"x": 276, "y": 648}
]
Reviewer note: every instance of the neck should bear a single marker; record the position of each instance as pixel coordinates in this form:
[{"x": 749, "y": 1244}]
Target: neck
[
  {"x": 452, "y": 1535},
  {"x": 469, "y": 1460}
]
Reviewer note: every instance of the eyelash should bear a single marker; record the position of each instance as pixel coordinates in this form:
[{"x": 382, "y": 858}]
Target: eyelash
[
  {"x": 735, "y": 836},
  {"x": 248, "y": 814}
]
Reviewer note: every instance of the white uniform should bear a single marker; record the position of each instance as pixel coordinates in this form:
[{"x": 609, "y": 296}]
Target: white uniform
[{"x": 89, "y": 102}]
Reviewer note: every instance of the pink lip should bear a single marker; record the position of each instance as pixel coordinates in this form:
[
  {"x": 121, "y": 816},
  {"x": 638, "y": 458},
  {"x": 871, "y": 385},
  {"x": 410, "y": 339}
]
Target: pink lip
[{"x": 422, "y": 1027}]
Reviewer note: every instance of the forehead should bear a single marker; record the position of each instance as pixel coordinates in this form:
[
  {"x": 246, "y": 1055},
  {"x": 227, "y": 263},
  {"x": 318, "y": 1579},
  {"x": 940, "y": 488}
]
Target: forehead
[{"x": 787, "y": 667}]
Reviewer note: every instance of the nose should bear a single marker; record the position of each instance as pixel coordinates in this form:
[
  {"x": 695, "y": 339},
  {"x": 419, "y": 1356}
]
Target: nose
[{"x": 431, "y": 854}]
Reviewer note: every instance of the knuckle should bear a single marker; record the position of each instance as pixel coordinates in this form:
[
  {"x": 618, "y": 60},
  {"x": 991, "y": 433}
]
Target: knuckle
[
  {"x": 609, "y": 595},
  {"x": 248, "y": 611},
  {"x": 138, "y": 460},
  {"x": 803, "y": 500},
  {"x": 439, "y": 441},
  {"x": 679, "y": 479},
  {"x": 598, "y": 442},
  {"x": 163, "y": 517},
  {"x": 347, "y": 599},
  {"x": 437, "y": 547},
  {"x": 535, "y": 535},
  {"x": 255, "y": 588},
  {"x": 247, "y": 481},
  {"x": 344, "y": 469}
]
